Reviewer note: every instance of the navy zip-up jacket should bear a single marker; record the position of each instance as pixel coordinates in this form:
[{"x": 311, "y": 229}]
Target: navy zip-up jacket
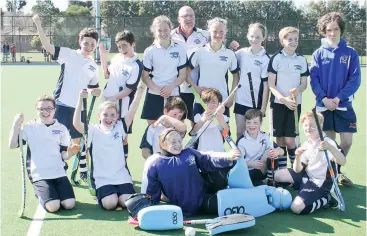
[{"x": 335, "y": 72}]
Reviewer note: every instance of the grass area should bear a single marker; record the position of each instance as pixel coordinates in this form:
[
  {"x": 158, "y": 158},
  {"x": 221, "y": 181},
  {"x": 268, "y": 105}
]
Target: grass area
[{"x": 20, "y": 87}]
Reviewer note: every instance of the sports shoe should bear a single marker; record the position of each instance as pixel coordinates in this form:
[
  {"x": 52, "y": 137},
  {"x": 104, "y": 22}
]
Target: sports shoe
[
  {"x": 344, "y": 180},
  {"x": 333, "y": 200}
]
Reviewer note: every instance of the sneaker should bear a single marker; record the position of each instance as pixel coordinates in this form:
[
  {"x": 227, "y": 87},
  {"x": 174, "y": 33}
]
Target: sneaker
[
  {"x": 333, "y": 201},
  {"x": 344, "y": 180}
]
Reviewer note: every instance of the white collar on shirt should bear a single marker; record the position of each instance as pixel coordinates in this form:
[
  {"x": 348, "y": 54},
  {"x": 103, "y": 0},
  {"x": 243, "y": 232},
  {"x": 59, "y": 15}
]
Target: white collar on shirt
[
  {"x": 286, "y": 55},
  {"x": 156, "y": 43},
  {"x": 210, "y": 48}
]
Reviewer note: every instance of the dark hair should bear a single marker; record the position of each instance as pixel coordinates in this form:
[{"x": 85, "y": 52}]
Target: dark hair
[
  {"x": 210, "y": 94},
  {"x": 176, "y": 102},
  {"x": 46, "y": 98},
  {"x": 88, "y": 32},
  {"x": 254, "y": 113},
  {"x": 328, "y": 18},
  {"x": 125, "y": 35}
]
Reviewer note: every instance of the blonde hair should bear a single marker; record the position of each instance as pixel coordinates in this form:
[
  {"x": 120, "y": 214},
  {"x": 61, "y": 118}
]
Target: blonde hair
[
  {"x": 158, "y": 20},
  {"x": 309, "y": 115},
  {"x": 260, "y": 27},
  {"x": 283, "y": 33},
  {"x": 163, "y": 136},
  {"x": 46, "y": 98},
  {"x": 108, "y": 104},
  {"x": 217, "y": 20}
]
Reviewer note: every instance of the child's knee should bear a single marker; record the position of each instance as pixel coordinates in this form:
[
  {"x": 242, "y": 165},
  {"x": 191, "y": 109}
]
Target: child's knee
[
  {"x": 68, "y": 204},
  {"x": 110, "y": 202},
  {"x": 297, "y": 205},
  {"x": 122, "y": 199},
  {"x": 52, "y": 206},
  {"x": 346, "y": 143}
]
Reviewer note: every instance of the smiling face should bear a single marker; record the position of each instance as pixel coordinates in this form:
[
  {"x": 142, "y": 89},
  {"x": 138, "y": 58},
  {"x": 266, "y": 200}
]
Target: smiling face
[
  {"x": 217, "y": 32},
  {"x": 125, "y": 48},
  {"x": 186, "y": 17},
  {"x": 162, "y": 32},
  {"x": 87, "y": 46},
  {"x": 290, "y": 42},
  {"x": 255, "y": 37},
  {"x": 253, "y": 126},
  {"x": 45, "y": 111},
  {"x": 310, "y": 128},
  {"x": 333, "y": 33},
  {"x": 172, "y": 143},
  {"x": 108, "y": 117}
]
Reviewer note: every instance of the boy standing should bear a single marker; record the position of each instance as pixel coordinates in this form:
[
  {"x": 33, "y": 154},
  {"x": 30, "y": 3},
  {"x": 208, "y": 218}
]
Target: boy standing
[
  {"x": 288, "y": 73},
  {"x": 48, "y": 143},
  {"x": 78, "y": 71},
  {"x": 335, "y": 77},
  {"x": 310, "y": 174}
]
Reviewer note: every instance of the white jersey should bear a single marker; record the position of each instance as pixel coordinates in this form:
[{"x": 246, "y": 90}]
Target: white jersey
[
  {"x": 254, "y": 149},
  {"x": 211, "y": 140},
  {"x": 197, "y": 39},
  {"x": 214, "y": 66},
  {"x": 150, "y": 139},
  {"x": 107, "y": 153},
  {"x": 288, "y": 70},
  {"x": 257, "y": 64},
  {"x": 315, "y": 161},
  {"x": 77, "y": 73},
  {"x": 123, "y": 74},
  {"x": 44, "y": 159},
  {"x": 164, "y": 64},
  {"x": 148, "y": 162}
]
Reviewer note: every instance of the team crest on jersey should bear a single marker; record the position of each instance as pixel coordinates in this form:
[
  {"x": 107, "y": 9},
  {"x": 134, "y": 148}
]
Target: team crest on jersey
[
  {"x": 125, "y": 73},
  {"x": 223, "y": 58},
  {"x": 326, "y": 60},
  {"x": 116, "y": 136},
  {"x": 92, "y": 68},
  {"x": 197, "y": 41},
  {"x": 344, "y": 59},
  {"x": 258, "y": 63},
  {"x": 56, "y": 131},
  {"x": 191, "y": 160},
  {"x": 174, "y": 54},
  {"x": 297, "y": 67}
]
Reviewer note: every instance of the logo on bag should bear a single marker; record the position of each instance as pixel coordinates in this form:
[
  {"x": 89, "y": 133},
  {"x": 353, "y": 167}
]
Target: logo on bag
[
  {"x": 234, "y": 210},
  {"x": 56, "y": 131},
  {"x": 174, "y": 54},
  {"x": 344, "y": 59}
]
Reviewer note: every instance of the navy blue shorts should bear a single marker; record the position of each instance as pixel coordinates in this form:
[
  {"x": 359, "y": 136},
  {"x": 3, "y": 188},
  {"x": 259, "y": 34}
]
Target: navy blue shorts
[
  {"x": 241, "y": 109},
  {"x": 283, "y": 120},
  {"x": 120, "y": 189},
  {"x": 53, "y": 189},
  {"x": 65, "y": 115},
  {"x": 153, "y": 107},
  {"x": 189, "y": 98},
  {"x": 340, "y": 121},
  {"x": 308, "y": 190}
]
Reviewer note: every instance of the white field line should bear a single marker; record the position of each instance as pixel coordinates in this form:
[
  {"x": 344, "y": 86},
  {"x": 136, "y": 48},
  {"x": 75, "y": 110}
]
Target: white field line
[{"x": 36, "y": 224}]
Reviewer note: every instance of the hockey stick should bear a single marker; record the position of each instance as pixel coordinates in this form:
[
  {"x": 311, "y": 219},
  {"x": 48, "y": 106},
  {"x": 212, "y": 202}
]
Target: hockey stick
[
  {"x": 24, "y": 186},
  {"x": 194, "y": 139},
  {"x": 341, "y": 204},
  {"x": 77, "y": 158},
  {"x": 251, "y": 90},
  {"x": 296, "y": 124}
]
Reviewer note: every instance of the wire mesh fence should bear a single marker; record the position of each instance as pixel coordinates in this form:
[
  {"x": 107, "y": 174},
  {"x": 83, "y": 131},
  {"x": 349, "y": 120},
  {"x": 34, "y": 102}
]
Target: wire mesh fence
[{"x": 63, "y": 31}]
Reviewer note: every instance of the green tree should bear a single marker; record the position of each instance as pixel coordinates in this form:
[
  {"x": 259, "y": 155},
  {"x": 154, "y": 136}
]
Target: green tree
[
  {"x": 45, "y": 8},
  {"x": 36, "y": 43}
]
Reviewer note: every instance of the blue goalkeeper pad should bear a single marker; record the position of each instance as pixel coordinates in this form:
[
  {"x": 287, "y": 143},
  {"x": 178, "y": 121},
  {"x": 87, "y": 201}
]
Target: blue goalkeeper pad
[
  {"x": 225, "y": 224},
  {"x": 238, "y": 176},
  {"x": 160, "y": 217}
]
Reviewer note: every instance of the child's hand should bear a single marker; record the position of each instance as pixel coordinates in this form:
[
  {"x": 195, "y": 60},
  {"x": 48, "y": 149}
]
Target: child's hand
[
  {"x": 207, "y": 115},
  {"x": 166, "y": 91},
  {"x": 19, "y": 118},
  {"x": 96, "y": 92},
  {"x": 103, "y": 50},
  {"x": 336, "y": 101},
  {"x": 234, "y": 45},
  {"x": 255, "y": 164},
  {"x": 324, "y": 146},
  {"x": 83, "y": 94},
  {"x": 200, "y": 90},
  {"x": 162, "y": 120},
  {"x": 300, "y": 151},
  {"x": 273, "y": 153},
  {"x": 292, "y": 105},
  {"x": 36, "y": 19},
  {"x": 329, "y": 104},
  {"x": 73, "y": 149},
  {"x": 234, "y": 154},
  {"x": 294, "y": 92},
  {"x": 220, "y": 109}
]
